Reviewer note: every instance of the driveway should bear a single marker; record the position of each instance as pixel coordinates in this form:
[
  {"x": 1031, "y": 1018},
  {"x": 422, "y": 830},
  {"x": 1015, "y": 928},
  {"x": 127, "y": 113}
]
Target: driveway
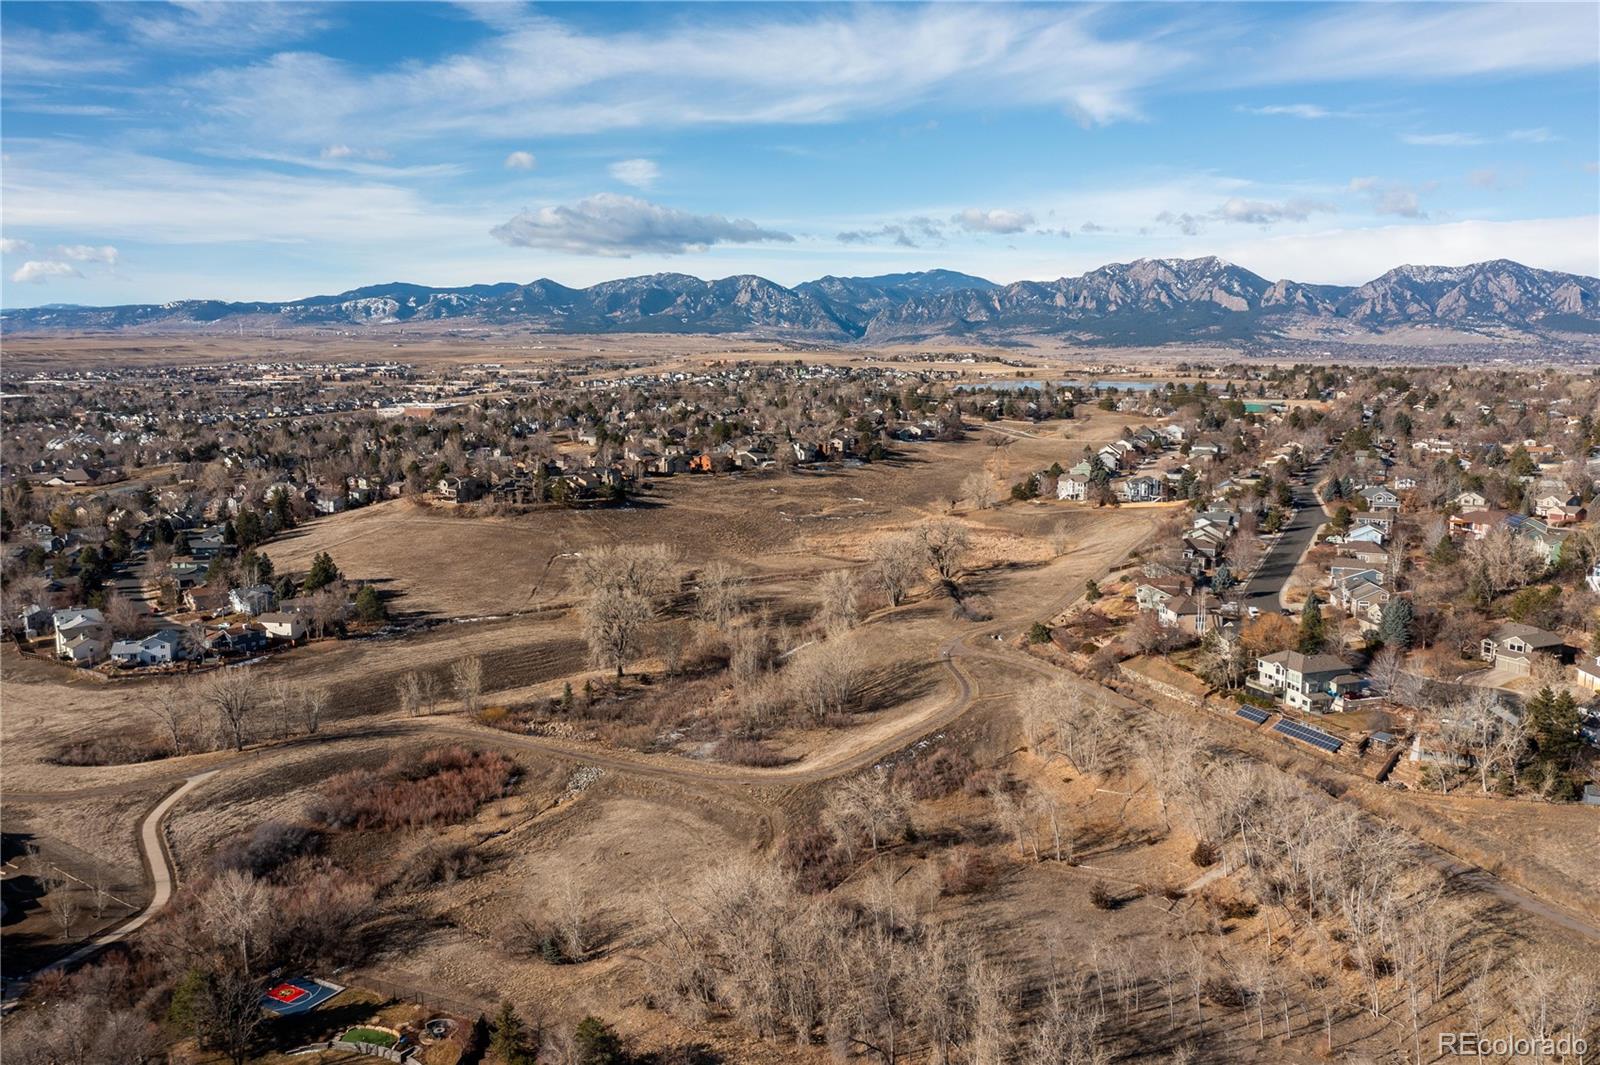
[{"x": 1265, "y": 589}]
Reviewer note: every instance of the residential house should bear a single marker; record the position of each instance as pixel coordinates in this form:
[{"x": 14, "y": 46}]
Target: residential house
[
  {"x": 454, "y": 489},
  {"x": 81, "y": 635},
  {"x": 160, "y": 649},
  {"x": 1152, "y": 593},
  {"x": 1593, "y": 579},
  {"x": 1471, "y": 501},
  {"x": 208, "y": 599},
  {"x": 281, "y": 625},
  {"x": 34, "y": 622},
  {"x": 254, "y": 600},
  {"x": 1546, "y": 540},
  {"x": 1382, "y": 523},
  {"x": 1139, "y": 489},
  {"x": 1588, "y": 670},
  {"x": 1192, "y": 615},
  {"x": 236, "y": 639},
  {"x": 1072, "y": 486},
  {"x": 1476, "y": 524},
  {"x": 1380, "y": 498},
  {"x": 1514, "y": 646},
  {"x": 1363, "y": 534},
  {"x": 1303, "y": 682}
]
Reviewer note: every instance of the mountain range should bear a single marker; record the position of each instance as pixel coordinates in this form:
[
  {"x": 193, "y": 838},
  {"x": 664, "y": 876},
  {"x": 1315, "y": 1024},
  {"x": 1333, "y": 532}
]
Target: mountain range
[{"x": 1146, "y": 301}]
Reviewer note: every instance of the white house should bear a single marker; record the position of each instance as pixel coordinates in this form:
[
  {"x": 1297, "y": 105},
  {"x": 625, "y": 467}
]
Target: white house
[
  {"x": 1073, "y": 487},
  {"x": 254, "y": 600},
  {"x": 283, "y": 626},
  {"x": 160, "y": 649},
  {"x": 81, "y": 635}
]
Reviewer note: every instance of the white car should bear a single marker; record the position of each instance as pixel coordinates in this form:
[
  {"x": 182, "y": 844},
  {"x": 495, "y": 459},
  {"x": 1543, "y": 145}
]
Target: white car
[{"x": 1254, "y": 612}]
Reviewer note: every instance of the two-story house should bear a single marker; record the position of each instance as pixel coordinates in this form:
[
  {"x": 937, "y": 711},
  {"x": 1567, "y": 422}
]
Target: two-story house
[{"x": 1304, "y": 682}]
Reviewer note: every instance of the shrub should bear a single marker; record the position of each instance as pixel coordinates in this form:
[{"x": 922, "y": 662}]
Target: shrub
[
  {"x": 965, "y": 871},
  {"x": 811, "y": 854},
  {"x": 945, "y": 771},
  {"x": 110, "y": 750},
  {"x": 1204, "y": 854},
  {"x": 594, "y": 1042},
  {"x": 271, "y": 845},
  {"x": 1102, "y": 897},
  {"x": 1038, "y": 632},
  {"x": 1236, "y": 909},
  {"x": 742, "y": 751},
  {"x": 440, "y": 864},
  {"x": 441, "y": 786}
]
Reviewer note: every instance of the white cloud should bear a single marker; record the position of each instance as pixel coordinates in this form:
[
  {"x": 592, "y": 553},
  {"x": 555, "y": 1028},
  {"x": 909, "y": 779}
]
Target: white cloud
[
  {"x": 1389, "y": 197},
  {"x": 88, "y": 253},
  {"x": 13, "y": 246},
  {"x": 1539, "y": 135},
  {"x": 606, "y": 224},
  {"x": 38, "y": 271},
  {"x": 520, "y": 161},
  {"x": 640, "y": 173},
  {"x": 976, "y": 220},
  {"x": 539, "y": 75},
  {"x": 906, "y": 233},
  {"x": 341, "y": 152},
  {"x": 1444, "y": 140},
  {"x": 1354, "y": 256},
  {"x": 69, "y": 188},
  {"x": 1266, "y": 213},
  {"x": 1430, "y": 41},
  {"x": 1291, "y": 110}
]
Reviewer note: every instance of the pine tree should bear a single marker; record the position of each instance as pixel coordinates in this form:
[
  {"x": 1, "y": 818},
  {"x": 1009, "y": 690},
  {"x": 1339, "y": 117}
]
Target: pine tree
[
  {"x": 1394, "y": 627},
  {"x": 1312, "y": 632},
  {"x": 510, "y": 1039},
  {"x": 596, "y": 1043},
  {"x": 369, "y": 605},
  {"x": 323, "y": 572}
]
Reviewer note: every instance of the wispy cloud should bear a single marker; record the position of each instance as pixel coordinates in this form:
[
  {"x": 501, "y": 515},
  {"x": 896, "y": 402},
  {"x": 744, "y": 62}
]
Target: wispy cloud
[
  {"x": 906, "y": 233},
  {"x": 88, "y": 253},
  {"x": 621, "y": 226},
  {"x": 1388, "y": 197},
  {"x": 640, "y": 173},
  {"x": 998, "y": 220},
  {"x": 1538, "y": 135},
  {"x": 1444, "y": 140},
  {"x": 520, "y": 161},
  {"x": 15, "y": 246},
  {"x": 1291, "y": 111},
  {"x": 38, "y": 271}
]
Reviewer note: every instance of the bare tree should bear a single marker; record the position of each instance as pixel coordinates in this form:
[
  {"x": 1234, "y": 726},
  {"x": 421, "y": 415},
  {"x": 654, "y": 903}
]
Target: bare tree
[
  {"x": 646, "y": 570},
  {"x": 836, "y": 596},
  {"x": 945, "y": 545},
  {"x": 409, "y": 691},
  {"x": 867, "y": 804},
  {"x": 826, "y": 678},
  {"x": 312, "y": 700},
  {"x": 235, "y": 697},
  {"x": 979, "y": 488},
  {"x": 719, "y": 595},
  {"x": 897, "y": 564},
  {"x": 173, "y": 708},
  {"x": 613, "y": 618},
  {"x": 466, "y": 676},
  {"x": 60, "y": 900}
]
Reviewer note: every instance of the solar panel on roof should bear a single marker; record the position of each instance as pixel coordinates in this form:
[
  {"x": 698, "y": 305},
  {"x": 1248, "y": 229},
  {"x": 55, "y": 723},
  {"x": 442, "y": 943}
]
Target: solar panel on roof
[
  {"x": 1252, "y": 715},
  {"x": 1316, "y": 737}
]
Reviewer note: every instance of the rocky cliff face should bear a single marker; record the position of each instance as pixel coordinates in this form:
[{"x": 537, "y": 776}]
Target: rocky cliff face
[{"x": 1149, "y": 300}]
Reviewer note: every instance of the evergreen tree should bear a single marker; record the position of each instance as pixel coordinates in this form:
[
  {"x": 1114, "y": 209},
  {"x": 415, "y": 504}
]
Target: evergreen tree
[
  {"x": 1313, "y": 634},
  {"x": 509, "y": 1043},
  {"x": 1444, "y": 552},
  {"x": 1222, "y": 580},
  {"x": 1554, "y": 720},
  {"x": 1394, "y": 627},
  {"x": 369, "y": 605},
  {"x": 323, "y": 572},
  {"x": 596, "y": 1043}
]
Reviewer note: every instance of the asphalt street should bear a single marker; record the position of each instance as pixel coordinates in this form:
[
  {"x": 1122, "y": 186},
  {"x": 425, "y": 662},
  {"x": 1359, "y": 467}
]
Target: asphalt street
[{"x": 1265, "y": 590}]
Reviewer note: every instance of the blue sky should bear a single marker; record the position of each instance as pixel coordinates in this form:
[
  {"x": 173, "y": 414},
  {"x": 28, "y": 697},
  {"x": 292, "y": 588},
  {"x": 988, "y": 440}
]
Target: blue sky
[{"x": 156, "y": 152}]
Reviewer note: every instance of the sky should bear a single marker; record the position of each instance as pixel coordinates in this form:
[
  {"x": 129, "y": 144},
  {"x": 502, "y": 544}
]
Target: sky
[{"x": 154, "y": 152}]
